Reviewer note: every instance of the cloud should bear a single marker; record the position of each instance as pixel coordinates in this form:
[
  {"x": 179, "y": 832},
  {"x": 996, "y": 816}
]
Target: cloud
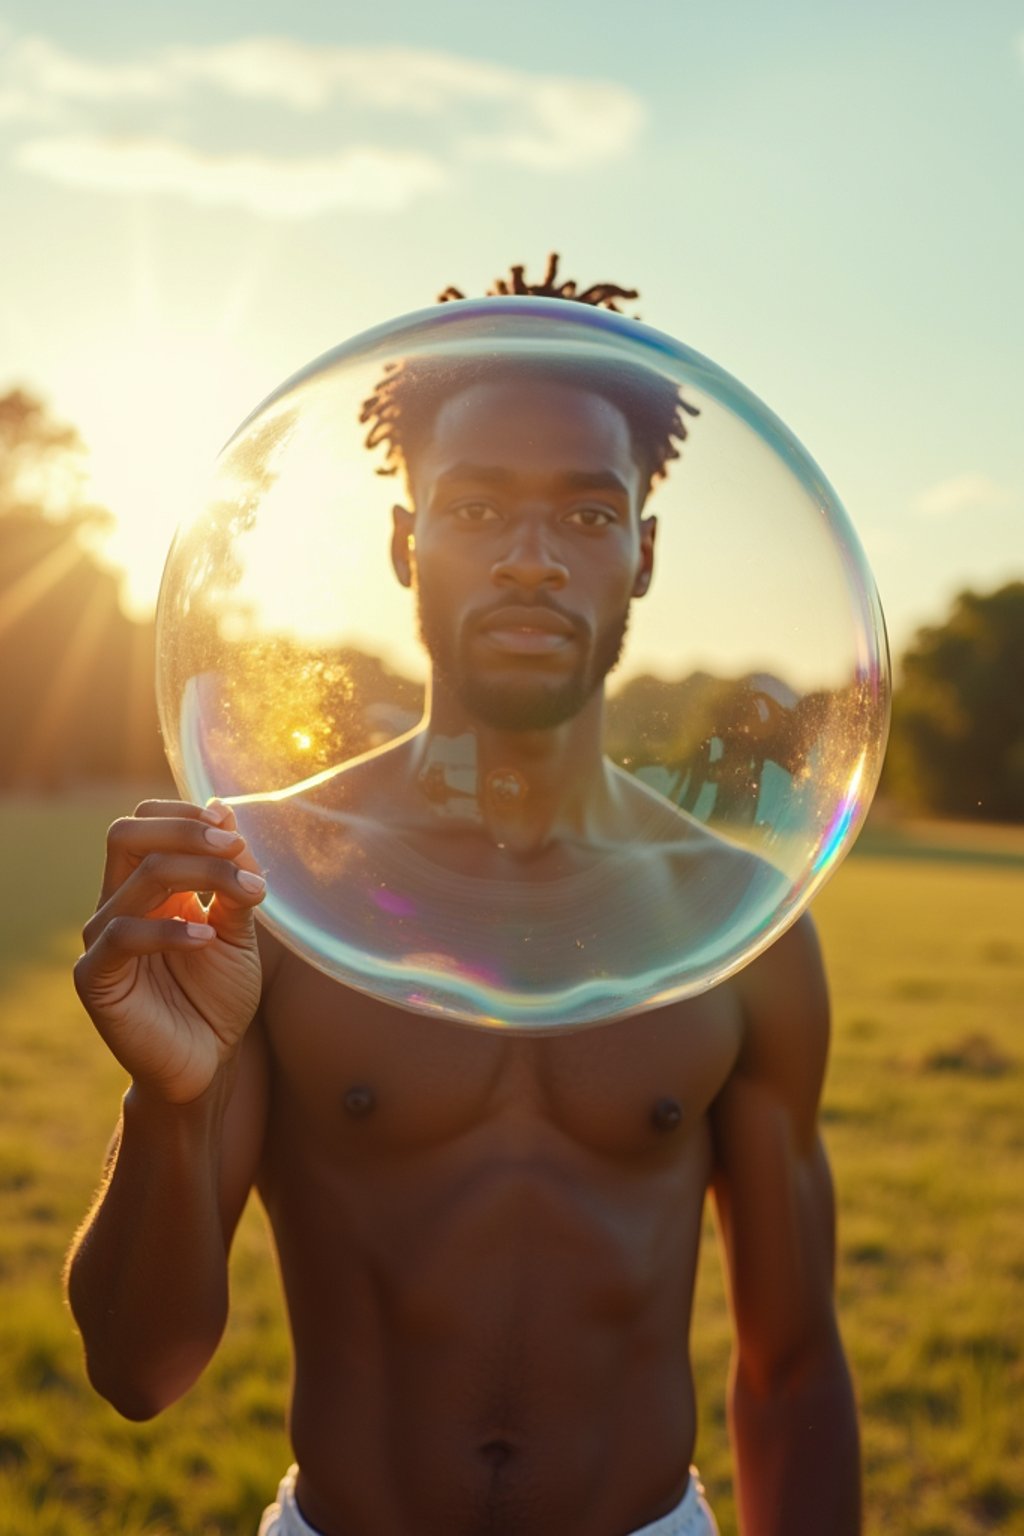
[
  {"x": 54, "y": 72},
  {"x": 552, "y": 123},
  {"x": 561, "y": 121},
  {"x": 963, "y": 494},
  {"x": 277, "y": 70},
  {"x": 39, "y": 77},
  {"x": 363, "y": 177},
  {"x": 569, "y": 123},
  {"x": 307, "y": 78}
]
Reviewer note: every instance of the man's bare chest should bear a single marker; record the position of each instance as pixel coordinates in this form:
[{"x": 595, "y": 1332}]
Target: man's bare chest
[{"x": 375, "y": 1082}]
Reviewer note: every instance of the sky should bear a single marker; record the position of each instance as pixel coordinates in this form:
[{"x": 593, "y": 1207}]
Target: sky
[{"x": 825, "y": 199}]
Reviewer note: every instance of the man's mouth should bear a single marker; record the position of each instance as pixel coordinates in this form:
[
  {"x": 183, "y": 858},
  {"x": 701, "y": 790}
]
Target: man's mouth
[{"x": 527, "y": 631}]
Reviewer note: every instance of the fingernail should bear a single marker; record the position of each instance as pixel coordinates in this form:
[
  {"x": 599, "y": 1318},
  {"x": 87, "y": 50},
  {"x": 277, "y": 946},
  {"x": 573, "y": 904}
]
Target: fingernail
[
  {"x": 200, "y": 930},
  {"x": 250, "y": 882},
  {"x": 215, "y": 812},
  {"x": 219, "y": 838}
]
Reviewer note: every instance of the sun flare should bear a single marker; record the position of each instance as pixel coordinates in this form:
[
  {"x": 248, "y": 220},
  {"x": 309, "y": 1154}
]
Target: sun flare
[{"x": 153, "y": 412}]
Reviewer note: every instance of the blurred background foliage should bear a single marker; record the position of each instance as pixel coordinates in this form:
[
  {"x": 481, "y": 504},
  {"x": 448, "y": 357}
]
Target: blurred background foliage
[
  {"x": 957, "y": 745},
  {"x": 76, "y": 693}
]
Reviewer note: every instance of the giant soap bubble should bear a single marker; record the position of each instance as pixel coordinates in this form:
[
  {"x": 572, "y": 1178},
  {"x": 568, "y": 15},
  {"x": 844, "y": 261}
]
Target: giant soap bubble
[{"x": 389, "y": 638}]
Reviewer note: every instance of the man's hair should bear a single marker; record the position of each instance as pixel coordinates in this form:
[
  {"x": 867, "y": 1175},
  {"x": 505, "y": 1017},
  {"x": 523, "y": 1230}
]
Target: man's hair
[{"x": 405, "y": 401}]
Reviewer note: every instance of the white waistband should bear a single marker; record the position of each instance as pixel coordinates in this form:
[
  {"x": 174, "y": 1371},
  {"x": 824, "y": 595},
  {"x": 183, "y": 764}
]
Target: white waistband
[{"x": 691, "y": 1516}]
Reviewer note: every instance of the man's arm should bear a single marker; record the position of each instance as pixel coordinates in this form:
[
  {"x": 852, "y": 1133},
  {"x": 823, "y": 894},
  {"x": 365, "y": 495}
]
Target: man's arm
[
  {"x": 147, "y": 1276},
  {"x": 792, "y": 1411},
  {"x": 173, "y": 987}
]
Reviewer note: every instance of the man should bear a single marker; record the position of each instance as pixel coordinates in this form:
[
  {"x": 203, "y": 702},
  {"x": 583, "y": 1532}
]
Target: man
[{"x": 488, "y": 1242}]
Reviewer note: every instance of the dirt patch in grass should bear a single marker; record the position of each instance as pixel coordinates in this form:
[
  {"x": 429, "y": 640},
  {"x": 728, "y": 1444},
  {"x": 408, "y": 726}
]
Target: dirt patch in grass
[{"x": 975, "y": 1055}]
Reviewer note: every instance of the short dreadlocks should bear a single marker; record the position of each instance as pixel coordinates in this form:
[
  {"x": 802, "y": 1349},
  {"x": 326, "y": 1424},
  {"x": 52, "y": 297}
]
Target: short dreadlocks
[{"x": 405, "y": 401}]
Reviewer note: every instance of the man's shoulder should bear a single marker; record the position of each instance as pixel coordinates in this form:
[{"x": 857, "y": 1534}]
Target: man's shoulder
[
  {"x": 784, "y": 1003},
  {"x": 791, "y": 967}
]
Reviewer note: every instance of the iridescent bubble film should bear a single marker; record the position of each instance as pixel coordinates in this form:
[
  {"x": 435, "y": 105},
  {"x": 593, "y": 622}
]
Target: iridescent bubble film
[{"x": 539, "y": 660}]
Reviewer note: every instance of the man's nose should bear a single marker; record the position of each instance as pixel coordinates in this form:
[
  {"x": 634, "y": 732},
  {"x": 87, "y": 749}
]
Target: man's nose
[{"x": 529, "y": 560}]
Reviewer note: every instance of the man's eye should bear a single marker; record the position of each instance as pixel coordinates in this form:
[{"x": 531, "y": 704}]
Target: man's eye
[
  {"x": 474, "y": 512},
  {"x": 590, "y": 517}
]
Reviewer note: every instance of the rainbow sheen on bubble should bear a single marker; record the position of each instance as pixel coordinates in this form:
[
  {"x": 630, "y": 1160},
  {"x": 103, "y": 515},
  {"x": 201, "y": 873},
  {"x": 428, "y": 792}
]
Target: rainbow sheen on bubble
[{"x": 463, "y": 806}]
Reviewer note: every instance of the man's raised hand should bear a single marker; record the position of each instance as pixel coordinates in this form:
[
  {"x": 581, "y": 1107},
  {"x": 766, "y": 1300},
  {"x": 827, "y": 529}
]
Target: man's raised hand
[{"x": 172, "y": 985}]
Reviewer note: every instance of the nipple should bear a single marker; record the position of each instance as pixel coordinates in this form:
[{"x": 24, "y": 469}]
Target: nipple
[
  {"x": 666, "y": 1114},
  {"x": 359, "y": 1100}
]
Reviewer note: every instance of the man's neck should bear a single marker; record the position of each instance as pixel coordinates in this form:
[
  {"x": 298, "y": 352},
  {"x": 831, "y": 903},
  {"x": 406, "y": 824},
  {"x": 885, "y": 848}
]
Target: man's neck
[{"x": 524, "y": 790}]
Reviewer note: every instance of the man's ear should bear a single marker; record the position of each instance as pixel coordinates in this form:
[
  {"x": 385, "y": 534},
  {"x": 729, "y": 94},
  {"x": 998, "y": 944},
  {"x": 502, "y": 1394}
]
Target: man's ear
[
  {"x": 645, "y": 572},
  {"x": 403, "y": 543}
]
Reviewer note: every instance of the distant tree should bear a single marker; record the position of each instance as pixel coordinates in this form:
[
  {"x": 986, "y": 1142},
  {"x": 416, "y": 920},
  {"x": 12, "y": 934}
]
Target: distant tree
[
  {"x": 43, "y": 463},
  {"x": 76, "y": 692},
  {"x": 958, "y": 712}
]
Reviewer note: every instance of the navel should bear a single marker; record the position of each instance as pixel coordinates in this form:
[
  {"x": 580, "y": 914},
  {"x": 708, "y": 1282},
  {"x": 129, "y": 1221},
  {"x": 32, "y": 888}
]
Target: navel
[
  {"x": 667, "y": 1114},
  {"x": 497, "y": 1453},
  {"x": 360, "y": 1100}
]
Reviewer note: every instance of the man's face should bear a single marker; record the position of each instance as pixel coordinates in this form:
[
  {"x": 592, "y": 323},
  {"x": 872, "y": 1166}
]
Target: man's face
[{"x": 526, "y": 547}]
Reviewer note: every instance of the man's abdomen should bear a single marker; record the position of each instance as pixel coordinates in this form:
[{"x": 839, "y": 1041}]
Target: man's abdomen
[{"x": 503, "y": 1348}]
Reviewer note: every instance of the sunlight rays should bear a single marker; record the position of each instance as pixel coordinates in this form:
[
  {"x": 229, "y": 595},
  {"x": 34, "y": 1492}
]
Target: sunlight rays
[
  {"x": 137, "y": 714},
  {"x": 57, "y": 699},
  {"x": 34, "y": 585},
  {"x": 155, "y": 389}
]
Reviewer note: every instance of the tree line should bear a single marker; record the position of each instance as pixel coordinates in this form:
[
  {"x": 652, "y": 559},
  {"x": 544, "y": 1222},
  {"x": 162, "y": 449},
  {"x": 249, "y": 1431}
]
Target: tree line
[{"x": 76, "y": 674}]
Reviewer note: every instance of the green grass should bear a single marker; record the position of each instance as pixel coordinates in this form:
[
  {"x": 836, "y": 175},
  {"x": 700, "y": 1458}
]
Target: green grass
[{"x": 924, "y": 1125}]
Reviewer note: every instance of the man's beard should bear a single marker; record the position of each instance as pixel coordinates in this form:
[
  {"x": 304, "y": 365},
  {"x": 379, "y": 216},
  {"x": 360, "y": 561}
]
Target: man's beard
[{"x": 537, "y": 703}]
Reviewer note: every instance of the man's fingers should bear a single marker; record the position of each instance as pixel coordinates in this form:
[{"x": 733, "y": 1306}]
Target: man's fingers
[
  {"x": 180, "y": 829},
  {"x": 160, "y": 877},
  {"x": 125, "y": 939},
  {"x": 215, "y": 811}
]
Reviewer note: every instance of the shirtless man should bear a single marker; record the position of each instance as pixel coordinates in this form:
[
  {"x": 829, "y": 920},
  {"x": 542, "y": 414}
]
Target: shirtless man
[{"x": 488, "y": 1242}]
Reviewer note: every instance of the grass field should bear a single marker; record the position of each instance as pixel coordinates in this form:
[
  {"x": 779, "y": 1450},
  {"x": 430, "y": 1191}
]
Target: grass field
[{"x": 923, "y": 1115}]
